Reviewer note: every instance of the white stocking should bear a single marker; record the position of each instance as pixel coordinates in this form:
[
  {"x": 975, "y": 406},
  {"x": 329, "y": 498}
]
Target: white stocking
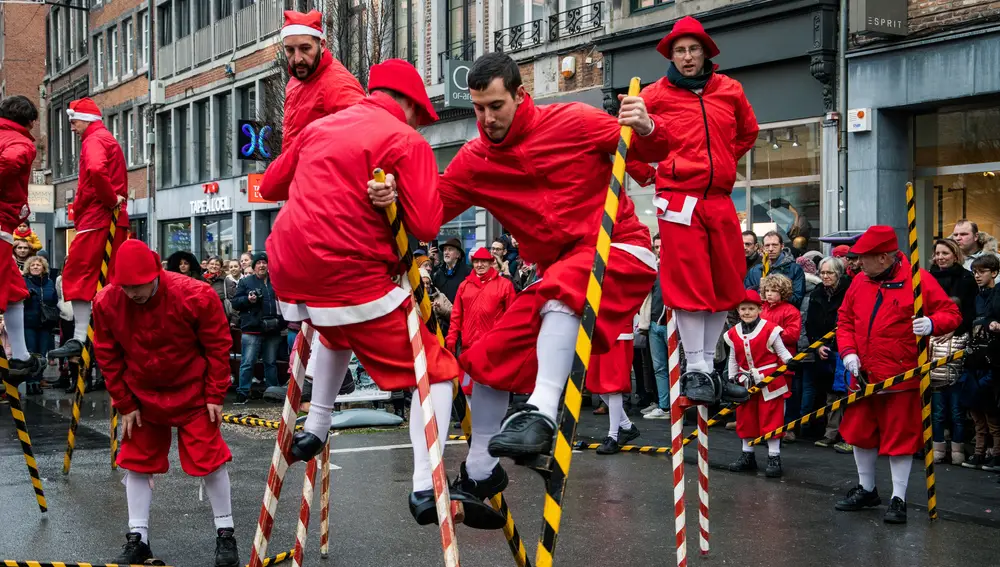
[
  {"x": 900, "y": 466},
  {"x": 556, "y": 345},
  {"x": 81, "y": 319},
  {"x": 440, "y": 398},
  {"x": 220, "y": 495},
  {"x": 714, "y": 323},
  {"x": 139, "y": 493},
  {"x": 488, "y": 408},
  {"x": 13, "y": 319},
  {"x": 865, "y": 460},
  {"x": 691, "y": 326},
  {"x": 328, "y": 375}
]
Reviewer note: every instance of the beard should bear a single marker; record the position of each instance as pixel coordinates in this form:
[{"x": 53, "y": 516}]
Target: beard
[{"x": 294, "y": 70}]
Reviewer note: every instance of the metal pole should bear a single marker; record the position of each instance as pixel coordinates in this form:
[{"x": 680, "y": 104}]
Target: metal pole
[{"x": 842, "y": 111}]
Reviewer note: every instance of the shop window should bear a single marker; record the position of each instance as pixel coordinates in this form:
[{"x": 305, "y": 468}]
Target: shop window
[
  {"x": 957, "y": 137},
  {"x": 137, "y": 229},
  {"x": 175, "y": 236},
  {"x": 975, "y": 196},
  {"x": 217, "y": 237},
  {"x": 246, "y": 228}
]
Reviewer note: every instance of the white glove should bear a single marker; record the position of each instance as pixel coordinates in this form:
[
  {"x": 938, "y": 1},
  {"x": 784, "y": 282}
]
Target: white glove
[
  {"x": 853, "y": 364},
  {"x": 922, "y": 326}
]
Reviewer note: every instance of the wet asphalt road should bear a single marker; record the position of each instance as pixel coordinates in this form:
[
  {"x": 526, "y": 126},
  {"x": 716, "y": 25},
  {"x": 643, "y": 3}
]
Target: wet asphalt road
[{"x": 617, "y": 511}]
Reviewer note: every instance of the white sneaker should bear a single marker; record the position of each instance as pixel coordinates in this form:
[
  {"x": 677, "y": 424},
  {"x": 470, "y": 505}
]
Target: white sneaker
[
  {"x": 657, "y": 414},
  {"x": 649, "y": 408}
]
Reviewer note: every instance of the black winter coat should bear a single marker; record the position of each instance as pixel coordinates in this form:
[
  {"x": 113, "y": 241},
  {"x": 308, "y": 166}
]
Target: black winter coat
[
  {"x": 253, "y": 314},
  {"x": 958, "y": 282},
  {"x": 823, "y": 307}
]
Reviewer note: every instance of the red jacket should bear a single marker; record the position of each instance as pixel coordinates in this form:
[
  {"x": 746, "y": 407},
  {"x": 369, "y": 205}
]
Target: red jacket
[
  {"x": 705, "y": 135},
  {"x": 786, "y": 316},
  {"x": 168, "y": 357},
  {"x": 543, "y": 184},
  {"x": 478, "y": 306},
  {"x": 351, "y": 252},
  {"x": 875, "y": 321},
  {"x": 103, "y": 177},
  {"x": 330, "y": 89},
  {"x": 17, "y": 151}
]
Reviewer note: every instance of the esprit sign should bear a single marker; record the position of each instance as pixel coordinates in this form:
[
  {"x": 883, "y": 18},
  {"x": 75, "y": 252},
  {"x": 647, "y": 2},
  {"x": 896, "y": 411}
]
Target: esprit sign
[{"x": 878, "y": 17}]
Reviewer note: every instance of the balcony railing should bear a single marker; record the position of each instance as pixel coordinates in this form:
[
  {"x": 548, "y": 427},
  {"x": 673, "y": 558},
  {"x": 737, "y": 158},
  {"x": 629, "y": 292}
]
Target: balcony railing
[
  {"x": 461, "y": 51},
  {"x": 184, "y": 54},
  {"x": 203, "y": 45},
  {"x": 271, "y": 16},
  {"x": 246, "y": 26},
  {"x": 165, "y": 61},
  {"x": 577, "y": 21},
  {"x": 223, "y": 35},
  {"x": 521, "y": 36}
]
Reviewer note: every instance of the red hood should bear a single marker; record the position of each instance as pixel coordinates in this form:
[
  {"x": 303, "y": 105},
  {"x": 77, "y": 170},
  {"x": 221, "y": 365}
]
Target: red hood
[
  {"x": 480, "y": 281},
  {"x": 11, "y": 125},
  {"x": 524, "y": 118}
]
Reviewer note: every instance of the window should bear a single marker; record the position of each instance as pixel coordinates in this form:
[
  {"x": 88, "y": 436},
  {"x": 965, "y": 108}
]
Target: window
[
  {"x": 163, "y": 132},
  {"x": 175, "y": 236},
  {"x": 145, "y": 135},
  {"x": 129, "y": 47},
  {"x": 57, "y": 40},
  {"x": 129, "y": 136},
  {"x": 223, "y": 8},
  {"x": 405, "y": 41},
  {"x": 166, "y": 30},
  {"x": 202, "y": 15},
  {"x": 203, "y": 150},
  {"x": 643, "y": 4},
  {"x": 183, "y": 18},
  {"x": 143, "y": 34},
  {"x": 461, "y": 25},
  {"x": 183, "y": 119},
  {"x": 116, "y": 128},
  {"x": 522, "y": 11},
  {"x": 137, "y": 229},
  {"x": 113, "y": 55},
  {"x": 784, "y": 182},
  {"x": 80, "y": 25},
  {"x": 99, "y": 60},
  {"x": 217, "y": 236},
  {"x": 224, "y": 127}
]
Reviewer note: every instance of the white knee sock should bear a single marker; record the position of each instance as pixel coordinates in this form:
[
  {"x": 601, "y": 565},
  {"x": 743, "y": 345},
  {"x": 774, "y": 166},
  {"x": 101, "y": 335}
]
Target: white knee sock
[
  {"x": 746, "y": 446},
  {"x": 13, "y": 319},
  {"x": 616, "y": 414},
  {"x": 139, "y": 492},
  {"x": 900, "y": 466},
  {"x": 714, "y": 323},
  {"x": 328, "y": 375},
  {"x": 81, "y": 320},
  {"x": 691, "y": 326},
  {"x": 488, "y": 408},
  {"x": 219, "y": 494},
  {"x": 556, "y": 345},
  {"x": 316, "y": 346},
  {"x": 865, "y": 460},
  {"x": 774, "y": 447},
  {"x": 440, "y": 398}
]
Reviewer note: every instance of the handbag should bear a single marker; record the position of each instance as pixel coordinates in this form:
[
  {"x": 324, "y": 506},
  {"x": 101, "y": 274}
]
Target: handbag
[
  {"x": 269, "y": 324},
  {"x": 49, "y": 316},
  {"x": 983, "y": 350}
]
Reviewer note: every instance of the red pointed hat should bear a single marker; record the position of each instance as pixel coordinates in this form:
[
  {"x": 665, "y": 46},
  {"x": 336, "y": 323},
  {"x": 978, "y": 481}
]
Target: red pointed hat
[
  {"x": 84, "y": 109},
  {"x": 482, "y": 254},
  {"x": 752, "y": 297},
  {"x": 687, "y": 26},
  {"x": 879, "y": 239},
  {"x": 297, "y": 23},
  {"x": 136, "y": 264},
  {"x": 400, "y": 76}
]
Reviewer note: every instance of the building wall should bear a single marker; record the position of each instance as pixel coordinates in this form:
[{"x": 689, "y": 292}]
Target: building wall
[
  {"x": 928, "y": 16},
  {"x": 23, "y": 64}
]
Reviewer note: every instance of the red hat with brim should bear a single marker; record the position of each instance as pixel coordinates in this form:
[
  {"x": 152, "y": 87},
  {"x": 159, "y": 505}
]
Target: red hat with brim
[
  {"x": 400, "y": 76},
  {"x": 752, "y": 297},
  {"x": 136, "y": 264},
  {"x": 840, "y": 251},
  {"x": 879, "y": 239},
  {"x": 687, "y": 26},
  {"x": 481, "y": 254}
]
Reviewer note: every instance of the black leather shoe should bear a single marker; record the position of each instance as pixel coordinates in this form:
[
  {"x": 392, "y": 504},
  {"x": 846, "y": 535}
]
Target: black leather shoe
[
  {"x": 896, "y": 514},
  {"x": 481, "y": 489},
  {"x": 858, "y": 499},
  {"x": 732, "y": 392},
  {"x": 773, "y": 469},
  {"x": 627, "y": 435},
  {"x": 698, "y": 387},
  {"x": 70, "y": 349},
  {"x": 477, "y": 514},
  {"x": 609, "y": 446},
  {"x": 135, "y": 551},
  {"x": 226, "y": 554},
  {"x": 746, "y": 463},
  {"x": 28, "y": 367},
  {"x": 305, "y": 446},
  {"x": 526, "y": 433}
]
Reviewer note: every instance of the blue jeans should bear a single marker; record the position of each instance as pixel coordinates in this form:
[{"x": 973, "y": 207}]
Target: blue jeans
[
  {"x": 39, "y": 341},
  {"x": 658, "y": 349},
  {"x": 291, "y": 342},
  {"x": 945, "y": 407},
  {"x": 266, "y": 346}
]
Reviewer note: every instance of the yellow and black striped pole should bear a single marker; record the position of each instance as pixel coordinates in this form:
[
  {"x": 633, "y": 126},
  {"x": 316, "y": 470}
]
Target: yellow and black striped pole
[
  {"x": 925, "y": 380},
  {"x": 555, "y": 485},
  {"x": 461, "y": 405},
  {"x": 283, "y": 556},
  {"x": 15, "y": 563},
  {"x": 85, "y": 362},
  {"x": 766, "y": 266},
  {"x": 869, "y": 390},
  {"x": 645, "y": 449},
  {"x": 16, "y": 412},
  {"x": 252, "y": 421}
]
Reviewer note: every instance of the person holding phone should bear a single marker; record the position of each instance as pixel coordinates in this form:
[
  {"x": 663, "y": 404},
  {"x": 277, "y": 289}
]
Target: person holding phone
[{"x": 261, "y": 325}]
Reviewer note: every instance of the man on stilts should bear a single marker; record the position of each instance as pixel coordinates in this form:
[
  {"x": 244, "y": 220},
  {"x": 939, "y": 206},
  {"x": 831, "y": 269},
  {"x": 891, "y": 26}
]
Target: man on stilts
[
  {"x": 323, "y": 179},
  {"x": 17, "y": 152},
  {"x": 102, "y": 187},
  {"x": 163, "y": 342}
]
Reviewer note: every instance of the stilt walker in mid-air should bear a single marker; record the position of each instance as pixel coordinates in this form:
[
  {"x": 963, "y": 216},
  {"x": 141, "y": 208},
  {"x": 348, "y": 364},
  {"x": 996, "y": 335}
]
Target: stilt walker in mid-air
[{"x": 163, "y": 342}]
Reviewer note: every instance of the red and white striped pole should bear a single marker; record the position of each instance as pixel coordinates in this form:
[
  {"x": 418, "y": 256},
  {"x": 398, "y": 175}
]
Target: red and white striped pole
[
  {"x": 279, "y": 460},
  {"x": 324, "y": 502},
  {"x": 703, "y": 478},
  {"x": 302, "y": 529},
  {"x": 440, "y": 477},
  {"x": 676, "y": 436}
]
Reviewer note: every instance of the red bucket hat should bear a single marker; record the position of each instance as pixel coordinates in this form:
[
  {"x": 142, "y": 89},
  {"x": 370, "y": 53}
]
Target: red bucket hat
[
  {"x": 840, "y": 251},
  {"x": 752, "y": 297},
  {"x": 402, "y": 77},
  {"x": 879, "y": 239},
  {"x": 687, "y": 26},
  {"x": 481, "y": 254},
  {"x": 136, "y": 264}
]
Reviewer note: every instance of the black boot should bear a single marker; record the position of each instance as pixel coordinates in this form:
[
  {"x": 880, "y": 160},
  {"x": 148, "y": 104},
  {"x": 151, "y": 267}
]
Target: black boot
[
  {"x": 732, "y": 392},
  {"x": 627, "y": 435},
  {"x": 773, "y": 469},
  {"x": 69, "y": 349},
  {"x": 305, "y": 446},
  {"x": 609, "y": 447},
  {"x": 526, "y": 433},
  {"x": 29, "y": 367},
  {"x": 746, "y": 463},
  {"x": 698, "y": 387},
  {"x": 896, "y": 514},
  {"x": 226, "y": 554},
  {"x": 477, "y": 514},
  {"x": 481, "y": 489},
  {"x": 858, "y": 499},
  {"x": 135, "y": 551}
]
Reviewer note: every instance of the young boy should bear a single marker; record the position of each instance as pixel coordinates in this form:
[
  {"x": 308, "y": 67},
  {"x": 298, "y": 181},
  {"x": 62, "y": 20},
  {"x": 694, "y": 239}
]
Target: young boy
[
  {"x": 756, "y": 350},
  {"x": 610, "y": 376},
  {"x": 985, "y": 415}
]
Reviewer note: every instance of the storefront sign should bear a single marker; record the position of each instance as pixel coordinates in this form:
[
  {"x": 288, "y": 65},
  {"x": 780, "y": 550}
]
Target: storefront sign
[
  {"x": 879, "y": 17},
  {"x": 211, "y": 205},
  {"x": 210, "y": 188},
  {"x": 456, "y": 84},
  {"x": 41, "y": 198},
  {"x": 253, "y": 188},
  {"x": 253, "y": 140}
]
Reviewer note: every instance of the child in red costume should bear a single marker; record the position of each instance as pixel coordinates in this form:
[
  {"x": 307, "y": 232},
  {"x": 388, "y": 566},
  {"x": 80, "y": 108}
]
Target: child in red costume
[
  {"x": 610, "y": 376},
  {"x": 756, "y": 351},
  {"x": 162, "y": 341}
]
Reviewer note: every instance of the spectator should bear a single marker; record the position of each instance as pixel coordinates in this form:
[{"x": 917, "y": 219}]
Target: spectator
[
  {"x": 751, "y": 249},
  {"x": 184, "y": 263},
  {"x": 778, "y": 261},
  {"x": 24, "y": 232},
  {"x": 423, "y": 262},
  {"x": 215, "y": 277},
  {"x": 481, "y": 300},
  {"x": 507, "y": 268},
  {"x": 977, "y": 385},
  {"x": 973, "y": 243},
  {"x": 232, "y": 279},
  {"x": 246, "y": 263},
  {"x": 826, "y": 374},
  {"x": 777, "y": 291},
  {"x": 453, "y": 271},
  {"x": 440, "y": 304},
  {"x": 658, "y": 346},
  {"x": 526, "y": 275},
  {"x": 66, "y": 380},
  {"x": 22, "y": 251},
  {"x": 38, "y": 325},
  {"x": 261, "y": 325}
]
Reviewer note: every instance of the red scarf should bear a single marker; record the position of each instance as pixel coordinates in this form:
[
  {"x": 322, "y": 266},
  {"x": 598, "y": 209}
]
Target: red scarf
[
  {"x": 481, "y": 281},
  {"x": 24, "y": 235}
]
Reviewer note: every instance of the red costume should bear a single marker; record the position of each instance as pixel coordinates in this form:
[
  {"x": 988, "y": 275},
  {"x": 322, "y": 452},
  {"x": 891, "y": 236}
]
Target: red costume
[
  {"x": 103, "y": 178},
  {"x": 17, "y": 152},
  {"x": 328, "y": 90},
  {"x": 611, "y": 372},
  {"x": 705, "y": 135},
  {"x": 167, "y": 358},
  {"x": 549, "y": 189},
  {"x": 757, "y": 353},
  {"x": 875, "y": 322}
]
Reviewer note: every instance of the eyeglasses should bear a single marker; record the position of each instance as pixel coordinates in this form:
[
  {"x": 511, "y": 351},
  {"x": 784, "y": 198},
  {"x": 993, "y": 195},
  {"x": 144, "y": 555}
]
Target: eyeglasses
[
  {"x": 694, "y": 50},
  {"x": 827, "y": 273}
]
